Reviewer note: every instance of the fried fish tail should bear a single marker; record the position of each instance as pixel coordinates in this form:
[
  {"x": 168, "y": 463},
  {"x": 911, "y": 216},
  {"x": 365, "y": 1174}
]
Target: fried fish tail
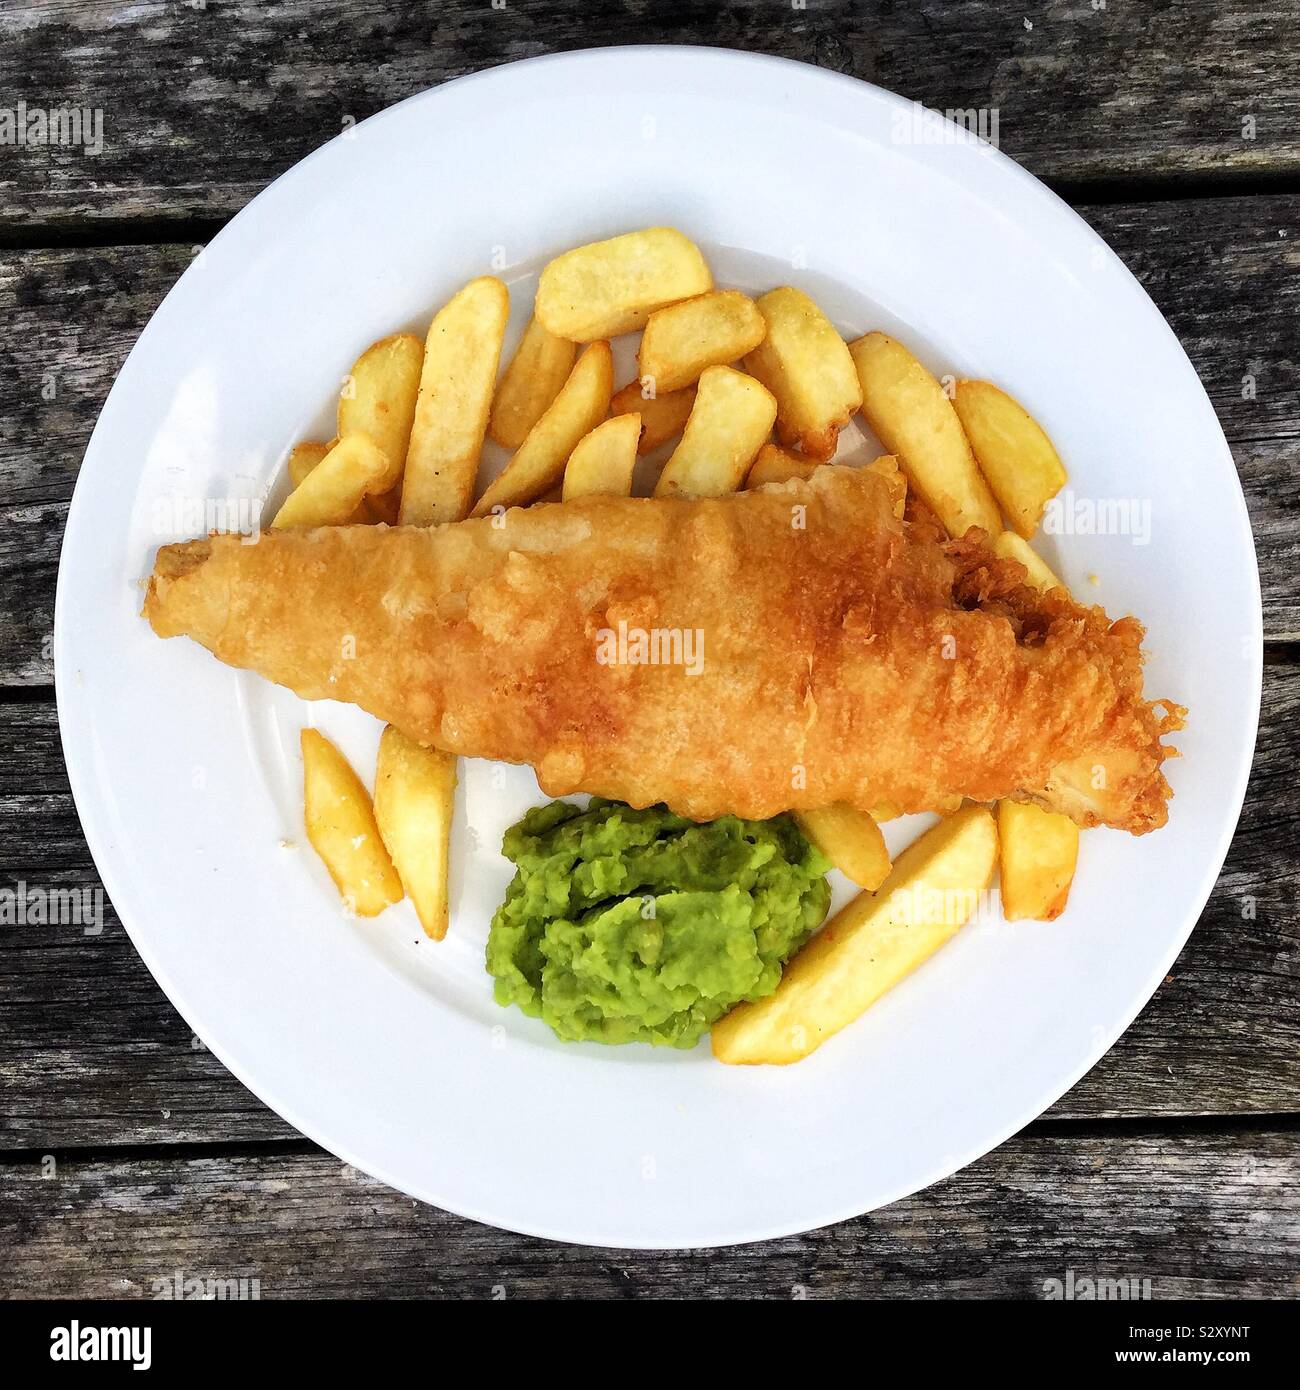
[{"x": 779, "y": 649}]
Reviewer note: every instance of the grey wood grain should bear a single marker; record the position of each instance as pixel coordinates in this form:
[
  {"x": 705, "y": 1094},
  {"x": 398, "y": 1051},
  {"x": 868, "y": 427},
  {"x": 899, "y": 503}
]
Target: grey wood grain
[
  {"x": 1196, "y": 1215},
  {"x": 91, "y": 1052},
  {"x": 1226, "y": 274},
  {"x": 202, "y": 104},
  {"x": 1225, "y": 271},
  {"x": 70, "y": 319}
]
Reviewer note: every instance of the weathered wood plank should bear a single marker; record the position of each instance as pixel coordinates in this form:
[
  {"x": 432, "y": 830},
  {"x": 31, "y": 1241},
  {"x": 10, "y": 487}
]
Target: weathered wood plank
[
  {"x": 1222, "y": 1036},
  {"x": 1226, "y": 274},
  {"x": 1198, "y": 1215},
  {"x": 1221, "y": 269},
  {"x": 71, "y": 317},
  {"x": 202, "y": 105}
]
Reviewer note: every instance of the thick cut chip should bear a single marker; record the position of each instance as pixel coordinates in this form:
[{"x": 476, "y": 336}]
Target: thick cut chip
[
  {"x": 378, "y": 399},
  {"x": 851, "y": 840},
  {"x": 712, "y": 330},
  {"x": 1011, "y": 547},
  {"x": 915, "y": 421},
  {"x": 373, "y": 507},
  {"x": 342, "y": 830},
  {"x": 806, "y": 365},
  {"x": 877, "y": 940},
  {"x": 331, "y": 492},
  {"x": 776, "y": 464},
  {"x": 730, "y": 422},
  {"x": 461, "y": 354},
  {"x": 415, "y": 789},
  {"x": 304, "y": 457},
  {"x": 612, "y": 287},
  {"x": 603, "y": 461},
  {"x": 1039, "y": 850},
  {"x": 663, "y": 414},
  {"x": 1013, "y": 451},
  {"x": 539, "y": 368},
  {"x": 582, "y": 404}
]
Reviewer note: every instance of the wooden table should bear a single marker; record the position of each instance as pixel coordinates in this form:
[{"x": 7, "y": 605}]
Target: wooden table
[{"x": 126, "y": 1150}]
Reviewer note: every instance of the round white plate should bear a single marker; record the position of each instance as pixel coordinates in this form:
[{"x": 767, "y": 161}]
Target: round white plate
[{"x": 388, "y": 1049}]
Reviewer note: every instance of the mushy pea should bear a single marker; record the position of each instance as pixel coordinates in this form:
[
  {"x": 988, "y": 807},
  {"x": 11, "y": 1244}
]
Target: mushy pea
[{"x": 642, "y": 926}]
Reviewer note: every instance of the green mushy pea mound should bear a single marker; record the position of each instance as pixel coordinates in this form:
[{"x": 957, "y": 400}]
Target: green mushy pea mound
[{"x": 642, "y": 926}]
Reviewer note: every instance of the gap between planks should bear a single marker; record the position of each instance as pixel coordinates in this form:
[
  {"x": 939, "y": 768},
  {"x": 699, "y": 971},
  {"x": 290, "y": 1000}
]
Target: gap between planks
[
  {"x": 1107, "y": 191},
  {"x": 1090, "y": 1128}
]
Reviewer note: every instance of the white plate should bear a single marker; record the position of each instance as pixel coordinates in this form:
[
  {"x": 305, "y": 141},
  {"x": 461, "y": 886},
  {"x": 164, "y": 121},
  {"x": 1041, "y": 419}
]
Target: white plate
[{"x": 389, "y": 1050}]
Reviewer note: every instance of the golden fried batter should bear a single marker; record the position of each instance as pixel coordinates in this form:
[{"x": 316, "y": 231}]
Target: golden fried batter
[{"x": 787, "y": 647}]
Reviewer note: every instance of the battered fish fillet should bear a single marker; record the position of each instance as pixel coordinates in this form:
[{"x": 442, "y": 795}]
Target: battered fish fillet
[{"x": 777, "y": 649}]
